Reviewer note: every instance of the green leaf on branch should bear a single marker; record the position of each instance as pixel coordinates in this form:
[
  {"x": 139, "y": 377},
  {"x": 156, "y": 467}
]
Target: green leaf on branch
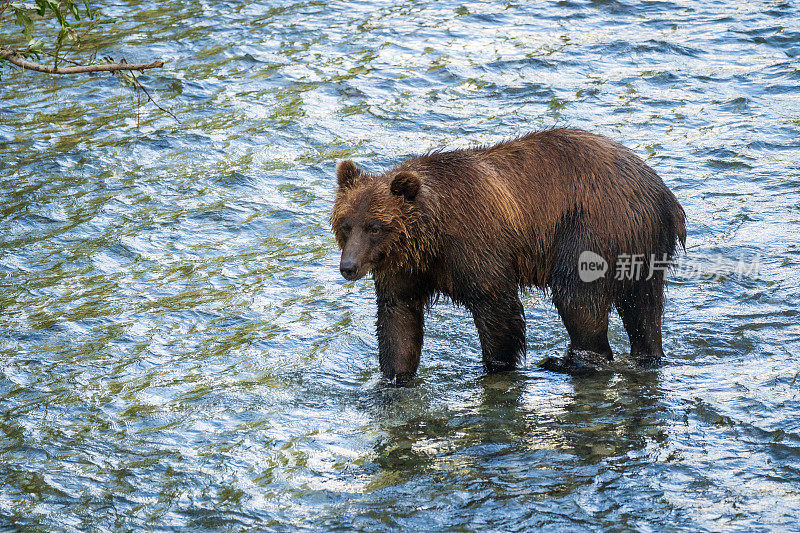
[
  {"x": 53, "y": 5},
  {"x": 73, "y": 7},
  {"x": 62, "y": 34},
  {"x": 24, "y": 21},
  {"x": 35, "y": 47}
]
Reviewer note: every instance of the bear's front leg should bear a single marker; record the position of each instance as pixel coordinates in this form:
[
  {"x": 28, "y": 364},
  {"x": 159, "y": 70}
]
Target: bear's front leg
[
  {"x": 500, "y": 320},
  {"x": 400, "y": 324}
]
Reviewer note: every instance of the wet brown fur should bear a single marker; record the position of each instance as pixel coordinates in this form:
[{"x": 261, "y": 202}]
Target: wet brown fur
[{"x": 478, "y": 224}]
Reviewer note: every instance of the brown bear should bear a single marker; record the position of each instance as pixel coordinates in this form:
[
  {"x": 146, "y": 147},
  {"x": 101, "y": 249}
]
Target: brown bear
[{"x": 477, "y": 225}]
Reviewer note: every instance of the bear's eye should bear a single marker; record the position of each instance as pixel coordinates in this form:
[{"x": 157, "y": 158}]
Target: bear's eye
[
  {"x": 374, "y": 228},
  {"x": 346, "y": 229}
]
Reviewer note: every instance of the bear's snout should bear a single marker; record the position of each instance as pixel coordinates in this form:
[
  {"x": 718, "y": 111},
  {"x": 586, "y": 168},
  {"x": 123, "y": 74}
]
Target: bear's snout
[{"x": 349, "y": 269}]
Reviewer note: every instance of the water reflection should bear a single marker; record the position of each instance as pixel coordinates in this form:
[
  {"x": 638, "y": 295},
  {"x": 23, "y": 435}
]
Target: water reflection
[{"x": 473, "y": 455}]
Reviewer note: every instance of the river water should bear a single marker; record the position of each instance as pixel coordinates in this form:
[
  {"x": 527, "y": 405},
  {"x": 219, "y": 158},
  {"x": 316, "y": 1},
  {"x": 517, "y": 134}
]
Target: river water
[{"x": 178, "y": 350}]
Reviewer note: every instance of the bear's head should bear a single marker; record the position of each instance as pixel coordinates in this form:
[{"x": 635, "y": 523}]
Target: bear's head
[{"x": 372, "y": 218}]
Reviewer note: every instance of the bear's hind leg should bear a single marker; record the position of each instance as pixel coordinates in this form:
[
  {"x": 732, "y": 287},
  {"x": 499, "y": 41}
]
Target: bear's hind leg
[
  {"x": 641, "y": 310},
  {"x": 500, "y": 320}
]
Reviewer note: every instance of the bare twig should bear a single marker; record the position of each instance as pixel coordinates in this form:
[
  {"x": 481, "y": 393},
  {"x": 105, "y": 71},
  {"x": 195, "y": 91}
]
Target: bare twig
[
  {"x": 15, "y": 58},
  {"x": 140, "y": 86},
  {"x": 131, "y": 78}
]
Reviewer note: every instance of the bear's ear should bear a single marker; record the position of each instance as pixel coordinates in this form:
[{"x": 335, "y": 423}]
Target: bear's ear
[
  {"x": 406, "y": 184},
  {"x": 346, "y": 174}
]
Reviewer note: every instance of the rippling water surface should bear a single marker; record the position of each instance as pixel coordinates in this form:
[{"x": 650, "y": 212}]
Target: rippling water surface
[{"x": 178, "y": 350}]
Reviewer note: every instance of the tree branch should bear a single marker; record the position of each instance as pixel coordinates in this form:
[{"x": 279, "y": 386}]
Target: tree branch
[{"x": 14, "y": 57}]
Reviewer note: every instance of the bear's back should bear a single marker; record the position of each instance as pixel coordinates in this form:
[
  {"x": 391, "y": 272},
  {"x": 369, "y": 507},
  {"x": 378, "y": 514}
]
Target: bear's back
[{"x": 532, "y": 196}]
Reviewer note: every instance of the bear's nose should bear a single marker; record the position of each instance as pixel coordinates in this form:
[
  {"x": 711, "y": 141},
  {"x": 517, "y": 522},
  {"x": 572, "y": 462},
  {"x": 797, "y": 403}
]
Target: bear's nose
[{"x": 348, "y": 268}]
